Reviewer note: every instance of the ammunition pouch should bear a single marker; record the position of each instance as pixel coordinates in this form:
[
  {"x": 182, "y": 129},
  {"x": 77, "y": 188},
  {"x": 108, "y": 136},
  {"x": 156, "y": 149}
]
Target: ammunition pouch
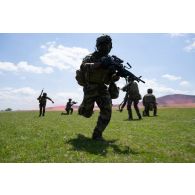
[
  {"x": 113, "y": 90},
  {"x": 99, "y": 76}
]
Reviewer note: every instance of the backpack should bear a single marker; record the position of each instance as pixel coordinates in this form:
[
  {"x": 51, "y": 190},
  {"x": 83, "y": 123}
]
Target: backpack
[{"x": 80, "y": 77}]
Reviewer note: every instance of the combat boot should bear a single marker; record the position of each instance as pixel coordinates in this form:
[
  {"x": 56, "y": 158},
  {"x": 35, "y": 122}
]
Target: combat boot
[{"x": 97, "y": 135}]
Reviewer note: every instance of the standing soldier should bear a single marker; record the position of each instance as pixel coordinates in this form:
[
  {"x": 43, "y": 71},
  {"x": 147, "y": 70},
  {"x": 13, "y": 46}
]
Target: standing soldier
[
  {"x": 42, "y": 103},
  {"x": 94, "y": 75},
  {"x": 149, "y": 102},
  {"x": 132, "y": 96},
  {"x": 69, "y": 109}
]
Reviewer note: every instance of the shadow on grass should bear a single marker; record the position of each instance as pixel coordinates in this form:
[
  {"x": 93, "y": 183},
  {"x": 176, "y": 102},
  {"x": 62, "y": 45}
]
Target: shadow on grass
[
  {"x": 133, "y": 120},
  {"x": 83, "y": 143}
]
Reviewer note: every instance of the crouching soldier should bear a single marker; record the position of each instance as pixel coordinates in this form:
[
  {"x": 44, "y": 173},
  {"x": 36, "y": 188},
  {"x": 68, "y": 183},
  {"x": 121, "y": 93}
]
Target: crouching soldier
[
  {"x": 69, "y": 109},
  {"x": 149, "y": 102}
]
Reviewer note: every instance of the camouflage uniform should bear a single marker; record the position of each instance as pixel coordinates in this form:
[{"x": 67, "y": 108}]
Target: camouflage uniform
[
  {"x": 96, "y": 90},
  {"x": 132, "y": 96},
  {"x": 42, "y": 103},
  {"x": 149, "y": 102},
  {"x": 69, "y": 109}
]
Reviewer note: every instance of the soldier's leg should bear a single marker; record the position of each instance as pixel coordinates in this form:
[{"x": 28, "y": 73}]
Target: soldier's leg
[
  {"x": 40, "y": 109},
  {"x": 86, "y": 107},
  {"x": 71, "y": 110},
  {"x": 129, "y": 103},
  {"x": 105, "y": 105},
  {"x": 43, "y": 114},
  {"x": 68, "y": 111},
  {"x": 155, "y": 110},
  {"x": 147, "y": 109},
  {"x": 136, "y": 108}
]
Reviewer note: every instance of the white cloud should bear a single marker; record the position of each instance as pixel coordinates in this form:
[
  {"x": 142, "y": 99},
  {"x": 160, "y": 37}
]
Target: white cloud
[
  {"x": 18, "y": 98},
  {"x": 63, "y": 57},
  {"x": 11, "y": 93},
  {"x": 24, "y": 67},
  {"x": 191, "y": 46},
  {"x": 121, "y": 83},
  {"x": 184, "y": 83},
  {"x": 160, "y": 89},
  {"x": 24, "y": 91},
  {"x": 171, "y": 77}
]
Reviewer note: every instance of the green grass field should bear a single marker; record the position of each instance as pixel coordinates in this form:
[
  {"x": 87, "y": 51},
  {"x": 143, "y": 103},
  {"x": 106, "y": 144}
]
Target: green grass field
[{"x": 170, "y": 137}]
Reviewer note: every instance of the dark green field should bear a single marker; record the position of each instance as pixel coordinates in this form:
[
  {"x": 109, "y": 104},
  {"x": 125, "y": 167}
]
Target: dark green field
[{"x": 170, "y": 137}]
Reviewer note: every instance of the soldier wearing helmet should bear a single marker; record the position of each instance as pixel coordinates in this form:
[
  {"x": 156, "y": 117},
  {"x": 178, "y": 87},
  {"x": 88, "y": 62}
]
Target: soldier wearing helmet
[
  {"x": 94, "y": 76},
  {"x": 69, "y": 109},
  {"x": 132, "y": 97},
  {"x": 42, "y": 103},
  {"x": 149, "y": 102}
]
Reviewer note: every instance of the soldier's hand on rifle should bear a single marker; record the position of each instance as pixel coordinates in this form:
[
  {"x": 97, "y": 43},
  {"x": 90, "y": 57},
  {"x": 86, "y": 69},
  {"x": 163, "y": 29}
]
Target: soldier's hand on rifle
[
  {"x": 106, "y": 61},
  {"x": 115, "y": 77}
]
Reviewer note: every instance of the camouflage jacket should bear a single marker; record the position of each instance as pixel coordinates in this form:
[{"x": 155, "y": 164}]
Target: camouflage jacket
[
  {"x": 132, "y": 91},
  {"x": 43, "y": 100},
  {"x": 95, "y": 75},
  {"x": 149, "y": 98}
]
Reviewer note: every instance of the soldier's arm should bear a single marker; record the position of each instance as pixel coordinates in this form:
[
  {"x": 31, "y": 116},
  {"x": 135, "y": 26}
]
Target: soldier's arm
[
  {"x": 50, "y": 99},
  {"x": 124, "y": 102},
  {"x": 144, "y": 100},
  {"x": 154, "y": 99},
  {"x": 91, "y": 66},
  {"x": 88, "y": 64}
]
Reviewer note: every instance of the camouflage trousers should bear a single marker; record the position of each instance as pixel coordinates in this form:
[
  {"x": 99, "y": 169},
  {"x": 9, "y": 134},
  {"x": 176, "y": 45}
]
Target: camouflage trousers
[
  {"x": 135, "y": 104},
  {"x": 99, "y": 94},
  {"x": 42, "y": 109},
  {"x": 150, "y": 107},
  {"x": 69, "y": 111}
]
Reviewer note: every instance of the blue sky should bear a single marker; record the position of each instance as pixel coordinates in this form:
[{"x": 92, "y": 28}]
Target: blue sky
[{"x": 30, "y": 62}]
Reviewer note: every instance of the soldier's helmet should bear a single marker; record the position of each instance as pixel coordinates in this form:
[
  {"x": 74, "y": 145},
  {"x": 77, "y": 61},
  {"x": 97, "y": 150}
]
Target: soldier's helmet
[
  {"x": 150, "y": 91},
  {"x": 44, "y": 94},
  {"x": 70, "y": 99},
  {"x": 103, "y": 39}
]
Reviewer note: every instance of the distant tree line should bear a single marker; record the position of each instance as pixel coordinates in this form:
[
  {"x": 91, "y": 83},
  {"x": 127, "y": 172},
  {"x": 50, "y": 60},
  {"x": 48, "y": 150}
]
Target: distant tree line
[{"x": 7, "y": 110}]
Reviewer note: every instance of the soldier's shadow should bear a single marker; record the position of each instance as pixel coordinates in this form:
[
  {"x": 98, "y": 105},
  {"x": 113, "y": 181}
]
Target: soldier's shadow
[{"x": 83, "y": 143}]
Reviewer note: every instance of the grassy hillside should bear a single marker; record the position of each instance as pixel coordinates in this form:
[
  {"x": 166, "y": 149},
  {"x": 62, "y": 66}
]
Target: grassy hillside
[{"x": 170, "y": 137}]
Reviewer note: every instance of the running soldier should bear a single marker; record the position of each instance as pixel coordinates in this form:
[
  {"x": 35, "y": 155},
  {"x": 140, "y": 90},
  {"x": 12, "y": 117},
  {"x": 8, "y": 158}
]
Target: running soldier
[{"x": 94, "y": 75}]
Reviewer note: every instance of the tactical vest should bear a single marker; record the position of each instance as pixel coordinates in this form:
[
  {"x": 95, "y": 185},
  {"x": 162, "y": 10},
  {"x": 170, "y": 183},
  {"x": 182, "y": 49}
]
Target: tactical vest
[
  {"x": 99, "y": 75},
  {"x": 149, "y": 98}
]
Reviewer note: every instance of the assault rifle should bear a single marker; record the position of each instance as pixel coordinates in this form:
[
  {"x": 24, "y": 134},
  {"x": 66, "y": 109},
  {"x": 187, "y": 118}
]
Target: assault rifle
[
  {"x": 116, "y": 64},
  {"x": 40, "y": 94}
]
